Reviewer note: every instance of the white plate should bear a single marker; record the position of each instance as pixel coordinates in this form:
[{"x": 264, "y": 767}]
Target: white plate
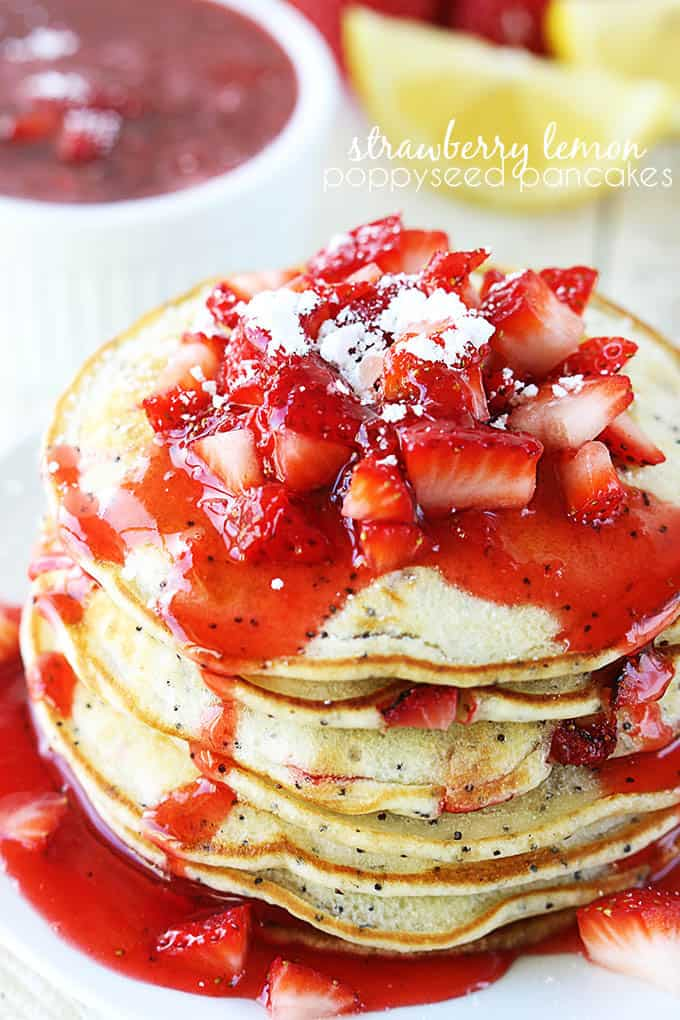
[{"x": 536, "y": 988}]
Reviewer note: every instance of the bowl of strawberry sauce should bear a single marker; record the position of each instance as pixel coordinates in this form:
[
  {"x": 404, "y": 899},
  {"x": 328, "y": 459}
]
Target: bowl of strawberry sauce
[{"x": 142, "y": 146}]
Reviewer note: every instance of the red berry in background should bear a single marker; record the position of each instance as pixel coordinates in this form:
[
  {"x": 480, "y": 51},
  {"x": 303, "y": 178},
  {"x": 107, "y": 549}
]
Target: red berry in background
[
  {"x": 507, "y": 22},
  {"x": 327, "y": 14}
]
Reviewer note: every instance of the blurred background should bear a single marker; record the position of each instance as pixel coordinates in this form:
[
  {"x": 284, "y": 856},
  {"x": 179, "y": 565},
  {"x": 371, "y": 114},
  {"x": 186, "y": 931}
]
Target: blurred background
[{"x": 119, "y": 125}]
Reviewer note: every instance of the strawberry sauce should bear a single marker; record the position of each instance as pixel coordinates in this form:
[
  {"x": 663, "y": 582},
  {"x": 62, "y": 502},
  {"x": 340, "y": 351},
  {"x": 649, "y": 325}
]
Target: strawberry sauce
[
  {"x": 101, "y": 103},
  {"x": 615, "y": 586},
  {"x": 122, "y": 908}
]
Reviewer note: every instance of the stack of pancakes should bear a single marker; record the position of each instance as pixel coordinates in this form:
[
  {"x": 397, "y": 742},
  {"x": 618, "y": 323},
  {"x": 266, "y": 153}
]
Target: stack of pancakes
[{"x": 285, "y": 779}]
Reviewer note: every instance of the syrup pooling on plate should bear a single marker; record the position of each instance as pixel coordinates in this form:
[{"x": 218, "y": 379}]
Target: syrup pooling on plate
[{"x": 313, "y": 437}]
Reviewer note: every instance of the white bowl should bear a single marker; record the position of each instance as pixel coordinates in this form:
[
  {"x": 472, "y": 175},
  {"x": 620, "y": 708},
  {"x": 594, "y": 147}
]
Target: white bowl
[{"x": 71, "y": 276}]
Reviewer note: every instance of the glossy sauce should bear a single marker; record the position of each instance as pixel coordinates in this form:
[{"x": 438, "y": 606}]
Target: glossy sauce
[
  {"x": 192, "y": 88},
  {"x": 123, "y": 908},
  {"x": 613, "y": 586}
]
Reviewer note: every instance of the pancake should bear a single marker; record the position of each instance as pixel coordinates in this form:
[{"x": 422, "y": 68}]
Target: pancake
[
  {"x": 414, "y": 772},
  {"x": 397, "y": 625},
  {"x": 122, "y": 765}
]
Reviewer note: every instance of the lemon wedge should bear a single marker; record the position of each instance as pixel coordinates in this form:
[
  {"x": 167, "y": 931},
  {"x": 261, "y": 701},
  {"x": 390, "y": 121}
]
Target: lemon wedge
[
  {"x": 641, "y": 40},
  {"x": 497, "y": 125}
]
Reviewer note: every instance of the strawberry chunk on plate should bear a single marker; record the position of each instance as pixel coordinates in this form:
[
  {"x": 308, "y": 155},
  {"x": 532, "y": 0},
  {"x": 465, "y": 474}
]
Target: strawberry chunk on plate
[
  {"x": 307, "y": 462},
  {"x": 296, "y": 992},
  {"x": 386, "y": 547},
  {"x": 628, "y": 442},
  {"x": 176, "y": 410},
  {"x": 459, "y": 468},
  {"x": 642, "y": 678},
  {"x": 222, "y": 303},
  {"x": 450, "y": 271},
  {"x": 643, "y": 728},
  {"x": 232, "y": 457},
  {"x": 584, "y": 741},
  {"x": 636, "y": 932},
  {"x": 592, "y": 489},
  {"x": 535, "y": 331},
  {"x": 601, "y": 355},
  {"x": 566, "y": 414},
  {"x": 9, "y": 636},
  {"x": 414, "y": 251},
  {"x": 31, "y": 818},
  {"x": 424, "y": 708},
  {"x": 440, "y": 389},
  {"x": 377, "y": 492},
  {"x": 216, "y": 946},
  {"x": 370, "y": 242},
  {"x": 572, "y": 286}
]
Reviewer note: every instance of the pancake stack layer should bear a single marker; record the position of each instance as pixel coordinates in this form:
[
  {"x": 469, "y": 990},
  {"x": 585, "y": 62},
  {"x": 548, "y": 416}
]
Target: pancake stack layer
[{"x": 399, "y": 779}]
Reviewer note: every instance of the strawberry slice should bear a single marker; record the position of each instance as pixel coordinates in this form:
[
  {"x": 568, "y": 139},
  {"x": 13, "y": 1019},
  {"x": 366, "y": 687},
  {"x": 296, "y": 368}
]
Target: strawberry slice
[
  {"x": 307, "y": 462},
  {"x": 572, "y": 286},
  {"x": 535, "y": 331},
  {"x": 592, "y": 489},
  {"x": 31, "y": 818},
  {"x": 601, "y": 355},
  {"x": 231, "y": 456},
  {"x": 584, "y": 741},
  {"x": 349, "y": 252},
  {"x": 642, "y": 678},
  {"x": 216, "y": 946},
  {"x": 415, "y": 250},
  {"x": 627, "y": 441},
  {"x": 176, "y": 410},
  {"x": 506, "y": 22},
  {"x": 265, "y": 524},
  {"x": 458, "y": 468},
  {"x": 386, "y": 547},
  {"x": 423, "y": 708},
  {"x": 222, "y": 303},
  {"x": 304, "y": 396},
  {"x": 295, "y": 992},
  {"x": 377, "y": 492},
  {"x": 644, "y": 728},
  {"x": 636, "y": 932},
  {"x": 9, "y": 637},
  {"x": 441, "y": 390},
  {"x": 568, "y": 413}
]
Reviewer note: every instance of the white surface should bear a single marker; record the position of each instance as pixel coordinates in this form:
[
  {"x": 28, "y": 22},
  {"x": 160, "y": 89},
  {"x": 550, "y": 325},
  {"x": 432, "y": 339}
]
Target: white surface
[
  {"x": 71, "y": 276},
  {"x": 535, "y": 988}
]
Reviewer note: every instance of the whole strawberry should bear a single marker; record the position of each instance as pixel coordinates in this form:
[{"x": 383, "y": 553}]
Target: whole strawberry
[{"x": 508, "y": 22}]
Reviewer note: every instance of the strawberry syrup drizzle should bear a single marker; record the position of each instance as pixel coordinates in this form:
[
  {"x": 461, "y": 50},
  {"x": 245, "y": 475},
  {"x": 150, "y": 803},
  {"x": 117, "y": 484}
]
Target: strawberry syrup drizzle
[
  {"x": 613, "y": 586},
  {"x": 122, "y": 907}
]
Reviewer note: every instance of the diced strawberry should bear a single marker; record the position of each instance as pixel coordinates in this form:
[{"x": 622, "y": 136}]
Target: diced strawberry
[
  {"x": 307, "y": 462},
  {"x": 592, "y": 489},
  {"x": 34, "y": 125},
  {"x": 424, "y": 708},
  {"x": 232, "y": 456},
  {"x": 369, "y": 273},
  {"x": 175, "y": 410},
  {"x": 9, "y": 636},
  {"x": 222, "y": 303},
  {"x": 627, "y": 441},
  {"x": 379, "y": 437},
  {"x": 583, "y": 741},
  {"x": 243, "y": 370},
  {"x": 358, "y": 247},
  {"x": 87, "y": 135},
  {"x": 191, "y": 364},
  {"x": 265, "y": 524},
  {"x": 442, "y": 390},
  {"x": 414, "y": 251},
  {"x": 217, "y": 946},
  {"x": 296, "y": 992},
  {"x": 457, "y": 468},
  {"x": 570, "y": 412},
  {"x": 636, "y": 932},
  {"x": 304, "y": 396},
  {"x": 601, "y": 355},
  {"x": 450, "y": 271},
  {"x": 250, "y": 284},
  {"x": 501, "y": 386},
  {"x": 490, "y": 279},
  {"x": 191, "y": 814},
  {"x": 31, "y": 818},
  {"x": 644, "y": 728},
  {"x": 642, "y": 678},
  {"x": 534, "y": 330},
  {"x": 506, "y": 22},
  {"x": 386, "y": 547},
  {"x": 378, "y": 492},
  {"x": 572, "y": 286}
]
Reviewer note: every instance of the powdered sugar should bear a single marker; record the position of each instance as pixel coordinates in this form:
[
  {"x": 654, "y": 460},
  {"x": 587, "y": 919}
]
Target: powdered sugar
[
  {"x": 356, "y": 351},
  {"x": 102, "y": 126},
  {"x": 394, "y": 412},
  {"x": 41, "y": 44},
  {"x": 61, "y": 86},
  {"x": 278, "y": 312}
]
